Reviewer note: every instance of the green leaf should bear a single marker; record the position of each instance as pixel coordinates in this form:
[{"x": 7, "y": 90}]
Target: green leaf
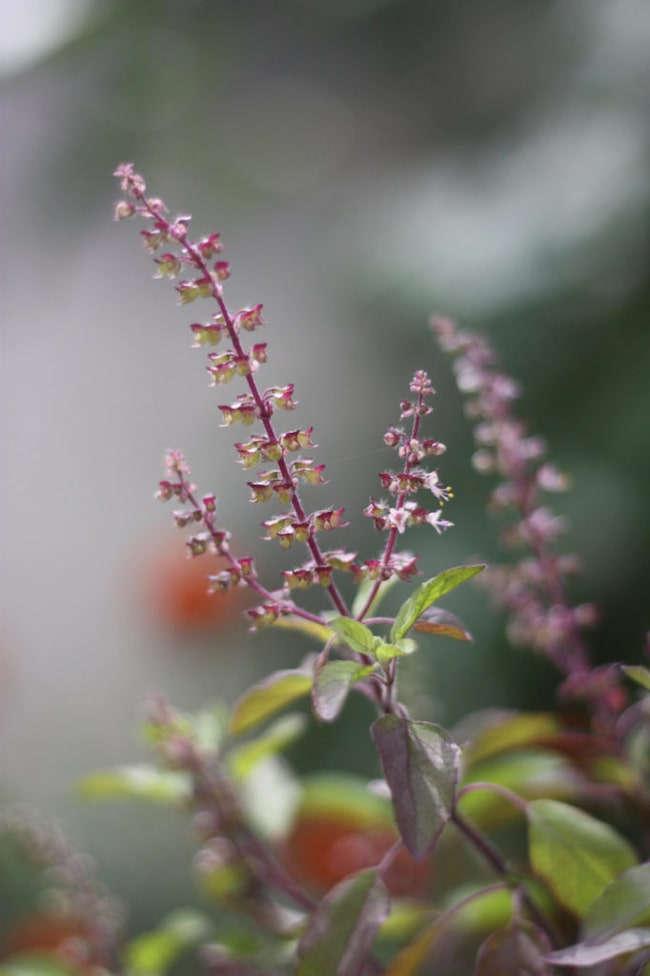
[
  {"x": 512, "y": 731},
  {"x": 347, "y": 797},
  {"x": 623, "y": 904},
  {"x": 140, "y": 782},
  {"x": 411, "y": 959},
  {"x": 639, "y": 674},
  {"x": 268, "y": 697},
  {"x": 421, "y": 765},
  {"x": 270, "y": 797},
  {"x": 209, "y": 728},
  {"x": 332, "y": 685},
  {"x": 386, "y": 652},
  {"x": 576, "y": 854},
  {"x": 516, "y": 950},
  {"x": 427, "y": 594},
  {"x": 441, "y": 623},
  {"x": 473, "y": 909},
  {"x": 35, "y": 964},
  {"x": 364, "y": 590},
  {"x": 341, "y": 931},
  {"x": 583, "y": 954},
  {"x": 356, "y": 635},
  {"x": 318, "y": 632},
  {"x": 155, "y": 952},
  {"x": 531, "y": 773},
  {"x": 405, "y": 920},
  {"x": 243, "y": 758}
]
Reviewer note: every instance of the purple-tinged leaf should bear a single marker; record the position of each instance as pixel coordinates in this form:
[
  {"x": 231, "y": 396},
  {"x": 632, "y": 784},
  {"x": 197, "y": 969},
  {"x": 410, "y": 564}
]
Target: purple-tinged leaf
[
  {"x": 343, "y": 927},
  {"x": 575, "y": 854},
  {"x": 585, "y": 954},
  {"x": 356, "y": 635},
  {"x": 624, "y": 903},
  {"x": 427, "y": 594},
  {"x": 332, "y": 685},
  {"x": 421, "y": 765},
  {"x": 517, "y": 950},
  {"x": 441, "y": 623},
  {"x": 271, "y": 695}
]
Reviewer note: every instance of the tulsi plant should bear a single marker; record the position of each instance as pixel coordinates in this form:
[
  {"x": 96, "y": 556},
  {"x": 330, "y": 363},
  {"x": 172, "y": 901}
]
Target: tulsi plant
[{"x": 513, "y": 844}]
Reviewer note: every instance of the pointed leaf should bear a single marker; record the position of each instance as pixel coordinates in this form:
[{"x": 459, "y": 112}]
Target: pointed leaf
[
  {"x": 155, "y": 952},
  {"x": 268, "y": 697},
  {"x": 332, "y": 685},
  {"x": 512, "y": 731},
  {"x": 344, "y": 796},
  {"x": 441, "y": 623},
  {"x": 34, "y": 963},
  {"x": 623, "y": 904},
  {"x": 531, "y": 773},
  {"x": 575, "y": 854},
  {"x": 209, "y": 728},
  {"x": 318, "y": 632},
  {"x": 386, "y": 652},
  {"x": 639, "y": 674},
  {"x": 270, "y": 797},
  {"x": 343, "y": 927},
  {"x": 421, "y": 765},
  {"x": 517, "y": 950},
  {"x": 276, "y": 738},
  {"x": 364, "y": 590},
  {"x": 137, "y": 782},
  {"x": 355, "y": 634},
  {"x": 411, "y": 959},
  {"x": 583, "y": 954},
  {"x": 427, "y": 594}
]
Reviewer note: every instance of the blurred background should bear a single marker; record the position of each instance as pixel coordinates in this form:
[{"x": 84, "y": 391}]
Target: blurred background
[{"x": 367, "y": 162}]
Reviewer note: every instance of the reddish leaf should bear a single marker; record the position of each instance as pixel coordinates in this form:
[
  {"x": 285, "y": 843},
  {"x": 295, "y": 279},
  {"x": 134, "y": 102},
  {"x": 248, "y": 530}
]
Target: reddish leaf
[
  {"x": 441, "y": 623},
  {"x": 420, "y": 764}
]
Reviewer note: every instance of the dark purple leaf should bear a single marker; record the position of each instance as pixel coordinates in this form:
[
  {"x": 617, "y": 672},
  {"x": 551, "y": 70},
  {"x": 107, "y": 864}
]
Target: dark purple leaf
[
  {"x": 517, "y": 950},
  {"x": 420, "y": 764},
  {"x": 343, "y": 927}
]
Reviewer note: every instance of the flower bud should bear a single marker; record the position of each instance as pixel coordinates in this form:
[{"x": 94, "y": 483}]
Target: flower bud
[{"x": 123, "y": 209}]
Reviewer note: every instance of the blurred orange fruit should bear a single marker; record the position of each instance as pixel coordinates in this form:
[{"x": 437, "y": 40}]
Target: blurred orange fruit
[
  {"x": 175, "y": 592},
  {"x": 62, "y": 937},
  {"x": 323, "y": 849}
]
